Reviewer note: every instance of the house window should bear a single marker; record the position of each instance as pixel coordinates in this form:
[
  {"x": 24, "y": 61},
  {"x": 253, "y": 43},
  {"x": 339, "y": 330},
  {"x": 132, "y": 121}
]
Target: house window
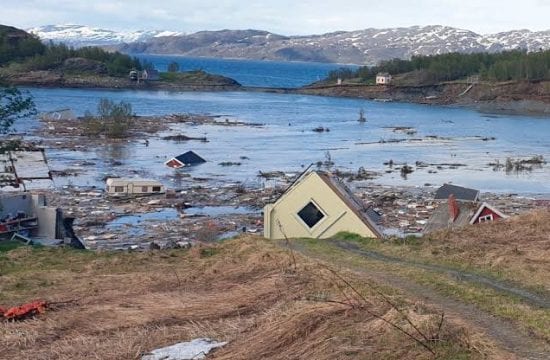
[
  {"x": 486, "y": 218},
  {"x": 144, "y": 189},
  {"x": 156, "y": 188},
  {"x": 310, "y": 214},
  {"x": 119, "y": 188}
]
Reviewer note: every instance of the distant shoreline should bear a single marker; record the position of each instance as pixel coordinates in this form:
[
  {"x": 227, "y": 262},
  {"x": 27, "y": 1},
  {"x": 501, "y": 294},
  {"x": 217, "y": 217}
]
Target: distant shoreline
[{"x": 518, "y": 98}]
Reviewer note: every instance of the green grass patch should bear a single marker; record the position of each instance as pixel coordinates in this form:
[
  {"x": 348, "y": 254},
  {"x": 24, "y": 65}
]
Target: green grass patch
[{"x": 8, "y": 245}]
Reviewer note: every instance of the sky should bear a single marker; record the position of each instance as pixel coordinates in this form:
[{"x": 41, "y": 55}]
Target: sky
[{"x": 286, "y": 17}]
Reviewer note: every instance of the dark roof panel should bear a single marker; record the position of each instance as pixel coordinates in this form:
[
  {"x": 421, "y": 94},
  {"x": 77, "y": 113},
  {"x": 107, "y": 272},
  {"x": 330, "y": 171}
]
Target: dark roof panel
[
  {"x": 355, "y": 204},
  {"x": 460, "y": 193},
  {"x": 190, "y": 158}
]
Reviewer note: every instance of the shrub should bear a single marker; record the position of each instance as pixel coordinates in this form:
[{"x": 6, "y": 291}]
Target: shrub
[{"x": 113, "y": 120}]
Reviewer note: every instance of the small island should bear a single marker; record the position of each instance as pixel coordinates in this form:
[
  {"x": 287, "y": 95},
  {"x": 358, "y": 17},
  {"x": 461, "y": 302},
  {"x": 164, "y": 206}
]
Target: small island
[{"x": 25, "y": 60}]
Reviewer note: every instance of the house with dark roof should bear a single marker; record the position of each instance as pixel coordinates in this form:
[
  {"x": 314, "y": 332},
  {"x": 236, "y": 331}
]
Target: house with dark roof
[
  {"x": 456, "y": 213},
  {"x": 186, "y": 159},
  {"x": 318, "y": 205},
  {"x": 460, "y": 193}
]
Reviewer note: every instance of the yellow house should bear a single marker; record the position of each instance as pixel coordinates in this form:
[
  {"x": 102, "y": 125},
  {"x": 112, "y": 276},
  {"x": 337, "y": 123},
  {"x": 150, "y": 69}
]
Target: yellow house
[{"x": 318, "y": 205}]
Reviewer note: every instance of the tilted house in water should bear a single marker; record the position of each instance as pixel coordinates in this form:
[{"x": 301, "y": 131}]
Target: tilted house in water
[
  {"x": 186, "y": 159},
  {"x": 318, "y": 205}
]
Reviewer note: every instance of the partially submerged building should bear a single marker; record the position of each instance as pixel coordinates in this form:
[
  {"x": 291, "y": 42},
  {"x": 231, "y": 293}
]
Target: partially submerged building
[
  {"x": 186, "y": 159},
  {"x": 129, "y": 186},
  {"x": 318, "y": 205}
]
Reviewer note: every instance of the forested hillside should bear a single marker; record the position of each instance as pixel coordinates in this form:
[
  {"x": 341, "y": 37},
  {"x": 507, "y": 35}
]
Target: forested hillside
[
  {"x": 503, "y": 66},
  {"x": 24, "y": 52}
]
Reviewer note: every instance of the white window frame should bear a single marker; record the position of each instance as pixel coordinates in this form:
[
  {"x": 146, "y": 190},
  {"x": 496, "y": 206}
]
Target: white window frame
[
  {"x": 310, "y": 229},
  {"x": 485, "y": 218}
]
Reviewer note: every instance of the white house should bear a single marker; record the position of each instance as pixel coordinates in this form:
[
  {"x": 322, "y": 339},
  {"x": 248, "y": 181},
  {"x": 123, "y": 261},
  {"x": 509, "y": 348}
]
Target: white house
[
  {"x": 383, "y": 79},
  {"x": 318, "y": 206},
  {"x": 121, "y": 186}
]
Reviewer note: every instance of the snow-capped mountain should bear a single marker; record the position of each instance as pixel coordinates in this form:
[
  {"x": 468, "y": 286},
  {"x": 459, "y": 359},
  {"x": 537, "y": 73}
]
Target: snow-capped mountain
[
  {"x": 80, "y": 35},
  {"x": 367, "y": 46}
]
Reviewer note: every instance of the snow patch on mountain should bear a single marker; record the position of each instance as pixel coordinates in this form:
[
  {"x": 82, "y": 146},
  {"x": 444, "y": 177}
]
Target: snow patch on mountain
[{"x": 80, "y": 35}]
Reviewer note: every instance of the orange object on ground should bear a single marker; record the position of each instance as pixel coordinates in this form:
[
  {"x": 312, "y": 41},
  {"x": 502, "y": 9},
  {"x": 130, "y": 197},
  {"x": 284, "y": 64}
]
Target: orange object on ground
[{"x": 25, "y": 310}]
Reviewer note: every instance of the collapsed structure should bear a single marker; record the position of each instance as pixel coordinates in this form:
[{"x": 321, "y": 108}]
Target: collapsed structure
[
  {"x": 318, "y": 205},
  {"x": 462, "y": 208},
  {"x": 23, "y": 170},
  {"x": 27, "y": 216}
]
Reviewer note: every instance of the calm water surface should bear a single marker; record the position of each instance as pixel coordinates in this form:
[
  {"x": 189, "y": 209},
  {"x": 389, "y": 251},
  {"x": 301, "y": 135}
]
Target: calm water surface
[
  {"x": 281, "y": 74},
  {"x": 287, "y": 141}
]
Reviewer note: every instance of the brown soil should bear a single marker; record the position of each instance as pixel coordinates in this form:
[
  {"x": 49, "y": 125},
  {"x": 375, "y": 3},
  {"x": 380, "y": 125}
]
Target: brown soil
[{"x": 246, "y": 292}]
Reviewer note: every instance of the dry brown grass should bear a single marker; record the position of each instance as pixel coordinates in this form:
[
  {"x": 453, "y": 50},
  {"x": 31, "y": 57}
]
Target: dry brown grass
[
  {"x": 245, "y": 291},
  {"x": 518, "y": 247}
]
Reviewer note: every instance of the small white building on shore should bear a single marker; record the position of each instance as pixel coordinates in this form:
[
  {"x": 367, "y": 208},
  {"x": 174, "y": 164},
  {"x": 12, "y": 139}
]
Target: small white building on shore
[{"x": 383, "y": 79}]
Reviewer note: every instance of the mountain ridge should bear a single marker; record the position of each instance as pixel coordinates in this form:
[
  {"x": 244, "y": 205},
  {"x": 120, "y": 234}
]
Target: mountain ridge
[{"x": 367, "y": 46}]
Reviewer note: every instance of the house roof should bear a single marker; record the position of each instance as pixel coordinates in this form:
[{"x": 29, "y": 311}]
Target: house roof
[
  {"x": 189, "y": 158},
  {"x": 459, "y": 192},
  {"x": 440, "y": 218},
  {"x": 355, "y": 204},
  {"x": 383, "y": 74},
  {"x": 29, "y": 168},
  {"x": 486, "y": 206}
]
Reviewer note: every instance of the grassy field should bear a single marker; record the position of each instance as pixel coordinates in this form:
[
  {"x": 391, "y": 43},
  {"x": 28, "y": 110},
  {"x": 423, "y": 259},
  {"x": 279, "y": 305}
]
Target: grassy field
[
  {"x": 515, "y": 252},
  {"x": 267, "y": 303}
]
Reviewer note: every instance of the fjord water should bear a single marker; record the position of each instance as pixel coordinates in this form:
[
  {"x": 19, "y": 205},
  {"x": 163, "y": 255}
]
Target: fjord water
[
  {"x": 279, "y": 74},
  {"x": 287, "y": 141}
]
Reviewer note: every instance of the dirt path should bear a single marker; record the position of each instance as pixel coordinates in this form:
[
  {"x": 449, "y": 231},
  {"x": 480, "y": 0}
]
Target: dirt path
[
  {"x": 500, "y": 286},
  {"x": 505, "y": 334}
]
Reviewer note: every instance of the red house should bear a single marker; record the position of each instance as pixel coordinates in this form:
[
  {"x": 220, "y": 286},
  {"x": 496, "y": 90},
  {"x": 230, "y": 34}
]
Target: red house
[{"x": 486, "y": 213}]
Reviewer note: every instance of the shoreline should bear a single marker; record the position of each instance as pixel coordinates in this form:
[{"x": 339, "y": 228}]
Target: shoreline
[{"x": 512, "y": 98}]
